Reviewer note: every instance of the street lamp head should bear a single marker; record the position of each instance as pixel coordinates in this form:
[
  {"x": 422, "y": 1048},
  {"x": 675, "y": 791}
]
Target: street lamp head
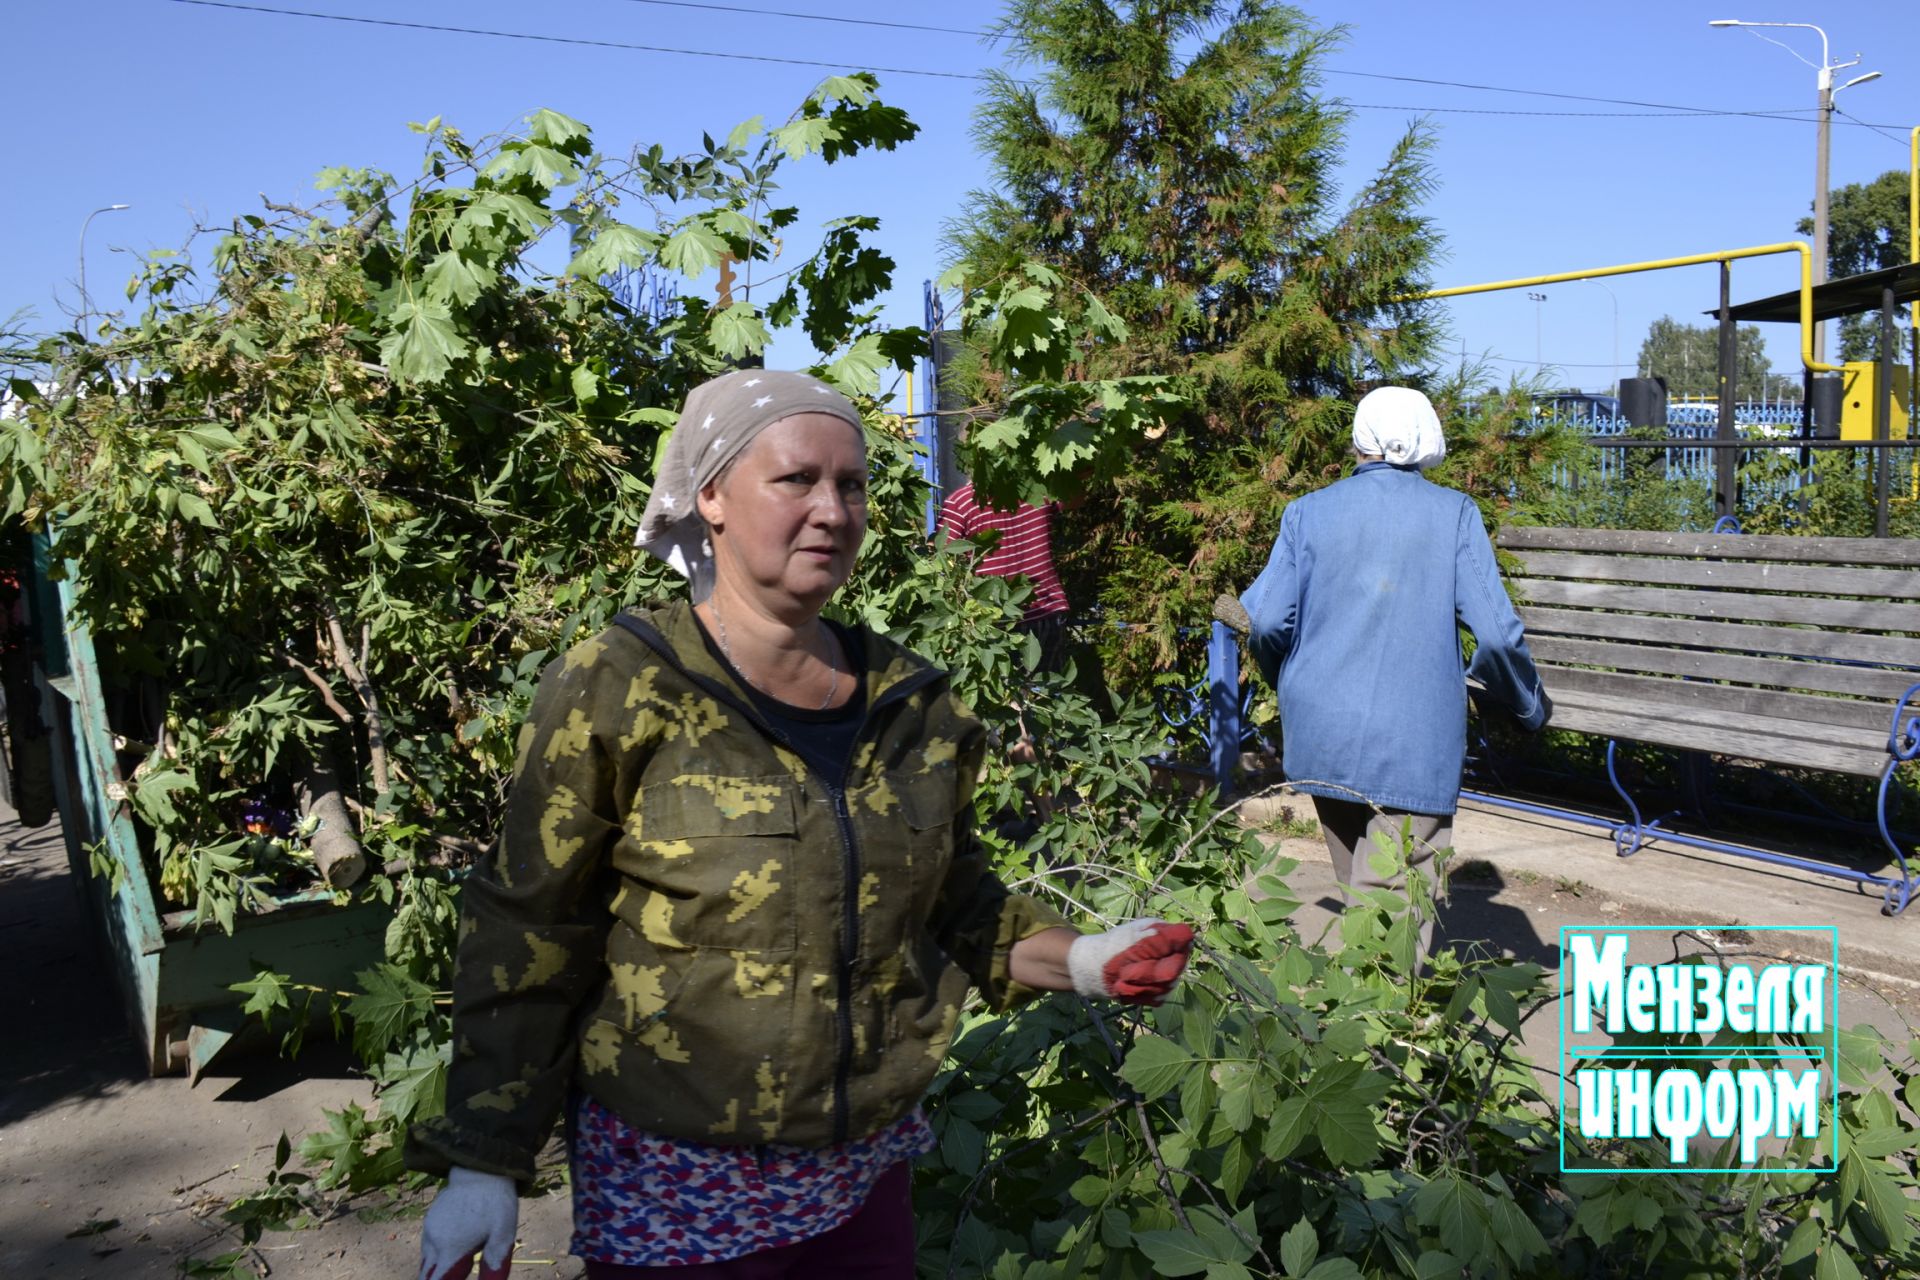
[
  {"x": 1871, "y": 75},
  {"x": 86, "y": 305},
  {"x": 1725, "y": 22}
]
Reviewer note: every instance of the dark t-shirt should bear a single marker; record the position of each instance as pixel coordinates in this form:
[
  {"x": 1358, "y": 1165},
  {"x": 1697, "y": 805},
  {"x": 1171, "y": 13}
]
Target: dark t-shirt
[{"x": 824, "y": 739}]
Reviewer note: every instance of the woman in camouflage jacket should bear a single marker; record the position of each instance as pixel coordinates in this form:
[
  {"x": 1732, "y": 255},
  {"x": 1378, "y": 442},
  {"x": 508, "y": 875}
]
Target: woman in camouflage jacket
[{"x": 737, "y": 901}]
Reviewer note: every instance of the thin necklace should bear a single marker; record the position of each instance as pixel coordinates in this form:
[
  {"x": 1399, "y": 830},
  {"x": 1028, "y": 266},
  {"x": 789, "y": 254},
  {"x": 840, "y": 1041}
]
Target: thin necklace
[{"x": 726, "y": 651}]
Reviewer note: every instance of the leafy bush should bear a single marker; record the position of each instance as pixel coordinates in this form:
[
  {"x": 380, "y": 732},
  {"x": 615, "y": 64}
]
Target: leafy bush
[
  {"x": 331, "y": 500},
  {"x": 1305, "y": 1108},
  {"x": 1831, "y": 497},
  {"x": 330, "y": 510}
]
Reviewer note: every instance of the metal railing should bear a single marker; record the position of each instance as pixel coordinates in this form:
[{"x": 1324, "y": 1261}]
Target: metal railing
[{"x": 1690, "y": 447}]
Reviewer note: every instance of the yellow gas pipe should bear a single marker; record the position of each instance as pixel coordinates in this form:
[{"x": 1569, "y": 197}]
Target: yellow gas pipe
[{"x": 1691, "y": 260}]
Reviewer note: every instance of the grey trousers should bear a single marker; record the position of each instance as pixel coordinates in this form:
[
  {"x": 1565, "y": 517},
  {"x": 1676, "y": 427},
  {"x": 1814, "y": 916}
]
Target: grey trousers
[{"x": 1350, "y": 827}]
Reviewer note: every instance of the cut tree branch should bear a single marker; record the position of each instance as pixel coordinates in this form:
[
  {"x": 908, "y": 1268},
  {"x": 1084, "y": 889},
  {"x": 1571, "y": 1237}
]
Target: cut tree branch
[
  {"x": 1162, "y": 1175},
  {"x": 320, "y": 682},
  {"x": 1050, "y": 1137},
  {"x": 369, "y": 699},
  {"x": 336, "y": 848}
]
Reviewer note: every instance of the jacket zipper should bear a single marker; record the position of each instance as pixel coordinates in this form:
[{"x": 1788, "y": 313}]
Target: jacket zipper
[
  {"x": 849, "y": 843},
  {"x": 849, "y": 944}
]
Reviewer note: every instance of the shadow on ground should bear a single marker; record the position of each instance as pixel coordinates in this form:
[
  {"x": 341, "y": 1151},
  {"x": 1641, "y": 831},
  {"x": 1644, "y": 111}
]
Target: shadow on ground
[
  {"x": 66, "y": 1034},
  {"x": 108, "y": 1173},
  {"x": 1479, "y": 912}
]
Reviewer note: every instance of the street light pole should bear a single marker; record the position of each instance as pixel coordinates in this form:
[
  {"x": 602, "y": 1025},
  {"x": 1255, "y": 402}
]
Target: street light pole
[
  {"x": 86, "y": 305},
  {"x": 1613, "y": 370},
  {"x": 1822, "y": 144},
  {"x": 1822, "y": 157},
  {"x": 1537, "y": 298}
]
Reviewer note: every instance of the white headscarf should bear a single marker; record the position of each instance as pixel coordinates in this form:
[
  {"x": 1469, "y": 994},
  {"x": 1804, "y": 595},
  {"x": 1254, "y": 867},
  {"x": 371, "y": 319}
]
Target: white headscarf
[
  {"x": 720, "y": 419},
  {"x": 1399, "y": 424}
]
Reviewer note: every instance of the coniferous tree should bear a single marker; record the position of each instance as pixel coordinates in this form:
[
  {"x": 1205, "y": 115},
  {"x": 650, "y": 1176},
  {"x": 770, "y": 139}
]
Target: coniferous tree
[{"x": 1175, "y": 159}]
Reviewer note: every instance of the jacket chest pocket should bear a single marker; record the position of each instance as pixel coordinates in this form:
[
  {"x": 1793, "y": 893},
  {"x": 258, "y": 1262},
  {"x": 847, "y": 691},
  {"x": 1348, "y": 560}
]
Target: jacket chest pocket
[
  {"x": 714, "y": 859},
  {"x": 924, "y": 836}
]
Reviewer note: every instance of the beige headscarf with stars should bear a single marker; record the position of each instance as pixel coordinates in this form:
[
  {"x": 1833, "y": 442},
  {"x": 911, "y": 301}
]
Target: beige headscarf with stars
[{"x": 721, "y": 418}]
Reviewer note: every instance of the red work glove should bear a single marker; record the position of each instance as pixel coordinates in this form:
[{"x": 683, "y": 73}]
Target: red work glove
[{"x": 1138, "y": 963}]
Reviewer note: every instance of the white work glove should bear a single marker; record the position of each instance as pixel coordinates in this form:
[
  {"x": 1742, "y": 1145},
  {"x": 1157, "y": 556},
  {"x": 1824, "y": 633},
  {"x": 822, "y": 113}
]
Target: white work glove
[
  {"x": 473, "y": 1212},
  {"x": 1138, "y": 962}
]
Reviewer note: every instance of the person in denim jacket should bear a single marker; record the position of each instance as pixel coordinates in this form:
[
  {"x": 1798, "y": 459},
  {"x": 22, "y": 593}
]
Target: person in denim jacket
[{"x": 1355, "y": 622}]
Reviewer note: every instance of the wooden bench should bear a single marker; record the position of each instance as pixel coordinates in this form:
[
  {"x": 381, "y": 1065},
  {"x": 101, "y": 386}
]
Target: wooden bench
[{"x": 1796, "y": 652}]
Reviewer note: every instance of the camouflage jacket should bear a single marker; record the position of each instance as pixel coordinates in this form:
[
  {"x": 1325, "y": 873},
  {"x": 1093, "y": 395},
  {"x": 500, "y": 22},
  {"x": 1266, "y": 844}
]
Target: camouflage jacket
[{"x": 683, "y": 919}]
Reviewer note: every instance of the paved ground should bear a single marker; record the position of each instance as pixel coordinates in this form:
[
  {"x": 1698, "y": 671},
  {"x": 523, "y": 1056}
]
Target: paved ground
[
  {"x": 1519, "y": 879},
  {"x": 107, "y": 1173},
  {"x": 104, "y": 1172},
  {"x": 1569, "y": 869}
]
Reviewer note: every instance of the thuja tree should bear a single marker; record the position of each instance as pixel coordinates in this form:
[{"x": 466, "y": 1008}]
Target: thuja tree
[{"x": 1174, "y": 160}]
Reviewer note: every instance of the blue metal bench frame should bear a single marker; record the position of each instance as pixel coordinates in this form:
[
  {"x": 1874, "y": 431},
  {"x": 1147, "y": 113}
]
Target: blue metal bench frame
[{"x": 1634, "y": 832}]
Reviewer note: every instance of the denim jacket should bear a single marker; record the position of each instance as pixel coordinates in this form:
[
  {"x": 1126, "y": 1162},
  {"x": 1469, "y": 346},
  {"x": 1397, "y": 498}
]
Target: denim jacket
[{"x": 1355, "y": 623}]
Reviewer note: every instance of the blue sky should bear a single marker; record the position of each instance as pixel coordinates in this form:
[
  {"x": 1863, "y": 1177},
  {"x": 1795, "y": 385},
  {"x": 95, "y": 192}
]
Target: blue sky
[{"x": 189, "y": 112}]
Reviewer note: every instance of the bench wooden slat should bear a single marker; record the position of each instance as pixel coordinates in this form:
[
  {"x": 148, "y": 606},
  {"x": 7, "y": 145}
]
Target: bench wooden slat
[
  {"x": 1860, "y": 615},
  {"x": 1779, "y": 650},
  {"x": 1839, "y": 646},
  {"x": 1904, "y": 552},
  {"x": 1813, "y": 580},
  {"x": 1643, "y": 723},
  {"x": 1783, "y": 673},
  {"x": 1805, "y": 713}
]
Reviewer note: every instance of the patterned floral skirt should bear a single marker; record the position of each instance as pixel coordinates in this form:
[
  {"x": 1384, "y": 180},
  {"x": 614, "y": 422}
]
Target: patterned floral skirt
[{"x": 642, "y": 1200}]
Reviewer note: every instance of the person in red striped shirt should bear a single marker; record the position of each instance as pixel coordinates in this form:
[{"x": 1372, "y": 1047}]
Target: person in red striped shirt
[{"x": 1024, "y": 549}]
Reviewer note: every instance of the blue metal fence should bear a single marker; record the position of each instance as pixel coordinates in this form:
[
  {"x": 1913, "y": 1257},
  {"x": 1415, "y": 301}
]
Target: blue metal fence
[{"x": 1770, "y": 420}]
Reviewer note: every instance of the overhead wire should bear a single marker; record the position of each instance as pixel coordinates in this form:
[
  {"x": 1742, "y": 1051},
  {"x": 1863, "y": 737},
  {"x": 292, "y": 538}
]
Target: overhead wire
[
  {"x": 1538, "y": 93},
  {"x": 989, "y": 34},
  {"x": 1656, "y": 109},
  {"x": 1544, "y": 364},
  {"x": 1571, "y": 364},
  {"x": 1777, "y": 113},
  {"x": 813, "y": 17},
  {"x": 574, "y": 40},
  {"x": 1689, "y": 113},
  {"x": 1895, "y": 139},
  {"x": 1677, "y": 108}
]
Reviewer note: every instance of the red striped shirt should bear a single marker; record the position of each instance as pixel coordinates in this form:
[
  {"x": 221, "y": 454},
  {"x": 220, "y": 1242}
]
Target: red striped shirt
[{"x": 1025, "y": 547}]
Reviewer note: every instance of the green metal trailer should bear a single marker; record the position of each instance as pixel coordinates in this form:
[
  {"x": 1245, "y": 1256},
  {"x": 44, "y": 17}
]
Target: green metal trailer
[{"x": 173, "y": 972}]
